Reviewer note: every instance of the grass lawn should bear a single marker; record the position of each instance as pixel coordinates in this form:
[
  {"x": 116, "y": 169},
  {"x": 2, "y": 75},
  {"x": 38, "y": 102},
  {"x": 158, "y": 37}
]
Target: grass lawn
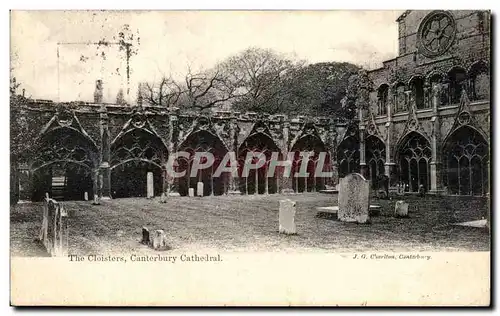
[{"x": 250, "y": 223}]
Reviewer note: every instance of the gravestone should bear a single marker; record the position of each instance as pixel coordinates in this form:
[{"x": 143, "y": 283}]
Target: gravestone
[
  {"x": 401, "y": 209},
  {"x": 199, "y": 190},
  {"x": 54, "y": 231},
  {"x": 96, "y": 200},
  {"x": 150, "y": 186},
  {"x": 86, "y": 196},
  {"x": 421, "y": 190},
  {"x": 191, "y": 192},
  {"x": 354, "y": 199},
  {"x": 383, "y": 187},
  {"x": 145, "y": 236},
  {"x": 159, "y": 241},
  {"x": 287, "y": 217}
]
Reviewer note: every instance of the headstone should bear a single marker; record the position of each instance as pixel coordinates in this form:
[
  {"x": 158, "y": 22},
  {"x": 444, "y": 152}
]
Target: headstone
[
  {"x": 47, "y": 197},
  {"x": 86, "y": 196},
  {"x": 191, "y": 192},
  {"x": 354, "y": 199},
  {"x": 287, "y": 217},
  {"x": 145, "y": 236},
  {"x": 159, "y": 241},
  {"x": 421, "y": 190},
  {"x": 96, "y": 200},
  {"x": 163, "y": 198},
  {"x": 150, "y": 186},
  {"x": 401, "y": 209},
  {"x": 199, "y": 190}
]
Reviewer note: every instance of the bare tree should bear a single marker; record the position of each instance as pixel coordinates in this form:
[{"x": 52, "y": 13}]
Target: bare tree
[
  {"x": 208, "y": 89},
  {"x": 266, "y": 79},
  {"x": 165, "y": 93}
]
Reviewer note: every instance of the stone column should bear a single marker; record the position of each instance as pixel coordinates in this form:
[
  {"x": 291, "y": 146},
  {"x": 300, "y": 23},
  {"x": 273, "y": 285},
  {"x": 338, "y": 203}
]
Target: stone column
[
  {"x": 171, "y": 185},
  {"x": 436, "y": 185},
  {"x": 390, "y": 165},
  {"x": 104, "y": 177},
  {"x": 285, "y": 183},
  {"x": 362, "y": 156},
  {"x": 332, "y": 150},
  {"x": 233, "y": 182}
]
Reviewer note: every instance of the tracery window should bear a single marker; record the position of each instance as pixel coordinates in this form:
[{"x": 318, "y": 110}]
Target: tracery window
[
  {"x": 414, "y": 157},
  {"x": 375, "y": 158},
  {"x": 382, "y": 98},
  {"x": 348, "y": 156},
  {"x": 466, "y": 163}
]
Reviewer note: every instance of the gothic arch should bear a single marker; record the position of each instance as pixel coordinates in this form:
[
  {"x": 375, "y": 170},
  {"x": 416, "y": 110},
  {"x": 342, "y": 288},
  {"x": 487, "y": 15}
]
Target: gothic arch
[
  {"x": 466, "y": 162},
  {"x": 375, "y": 158},
  {"x": 202, "y": 141},
  {"x": 413, "y": 156},
  {"x": 348, "y": 156},
  {"x": 479, "y": 80},
  {"x": 256, "y": 181},
  {"x": 309, "y": 143},
  {"x": 133, "y": 155},
  {"x": 63, "y": 165}
]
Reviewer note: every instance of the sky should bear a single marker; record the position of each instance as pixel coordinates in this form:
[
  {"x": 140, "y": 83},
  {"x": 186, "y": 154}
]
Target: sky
[{"x": 170, "y": 41}]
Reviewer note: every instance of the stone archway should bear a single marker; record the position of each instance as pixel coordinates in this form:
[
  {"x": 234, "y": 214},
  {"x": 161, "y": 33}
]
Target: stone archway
[
  {"x": 414, "y": 155},
  {"x": 202, "y": 142},
  {"x": 63, "y": 166},
  {"x": 133, "y": 155},
  {"x": 311, "y": 183},
  {"x": 348, "y": 156},
  {"x": 466, "y": 160},
  {"x": 375, "y": 159},
  {"x": 257, "y": 182}
]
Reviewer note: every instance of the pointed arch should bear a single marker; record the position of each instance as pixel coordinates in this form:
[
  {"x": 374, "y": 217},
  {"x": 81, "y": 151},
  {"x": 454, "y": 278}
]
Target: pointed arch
[
  {"x": 348, "y": 156},
  {"x": 133, "y": 155},
  {"x": 479, "y": 80},
  {"x": 466, "y": 161},
  {"x": 311, "y": 183},
  {"x": 375, "y": 158},
  {"x": 414, "y": 155},
  {"x": 63, "y": 164},
  {"x": 206, "y": 142},
  {"x": 256, "y": 181}
]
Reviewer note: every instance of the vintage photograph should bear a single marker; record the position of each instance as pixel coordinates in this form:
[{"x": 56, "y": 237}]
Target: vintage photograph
[{"x": 192, "y": 139}]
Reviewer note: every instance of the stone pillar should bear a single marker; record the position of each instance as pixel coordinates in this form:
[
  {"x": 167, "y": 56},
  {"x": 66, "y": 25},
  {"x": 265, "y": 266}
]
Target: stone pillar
[
  {"x": 362, "y": 156},
  {"x": 332, "y": 150},
  {"x": 233, "y": 182},
  {"x": 104, "y": 178},
  {"x": 285, "y": 183},
  {"x": 171, "y": 185},
  {"x": 436, "y": 185}
]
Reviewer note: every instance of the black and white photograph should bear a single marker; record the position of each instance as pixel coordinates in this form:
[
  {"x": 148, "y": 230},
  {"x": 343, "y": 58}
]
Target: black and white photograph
[{"x": 250, "y": 158}]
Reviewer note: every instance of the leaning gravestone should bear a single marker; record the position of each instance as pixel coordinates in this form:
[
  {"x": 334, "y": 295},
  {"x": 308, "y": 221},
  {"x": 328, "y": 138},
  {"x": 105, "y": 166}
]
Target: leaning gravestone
[
  {"x": 86, "y": 196},
  {"x": 199, "y": 190},
  {"x": 287, "y": 217},
  {"x": 401, "y": 209},
  {"x": 145, "y": 236},
  {"x": 150, "y": 186},
  {"x": 354, "y": 199},
  {"x": 191, "y": 192}
]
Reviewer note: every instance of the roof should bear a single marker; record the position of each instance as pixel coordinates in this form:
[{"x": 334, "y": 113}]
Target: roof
[{"x": 402, "y": 16}]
